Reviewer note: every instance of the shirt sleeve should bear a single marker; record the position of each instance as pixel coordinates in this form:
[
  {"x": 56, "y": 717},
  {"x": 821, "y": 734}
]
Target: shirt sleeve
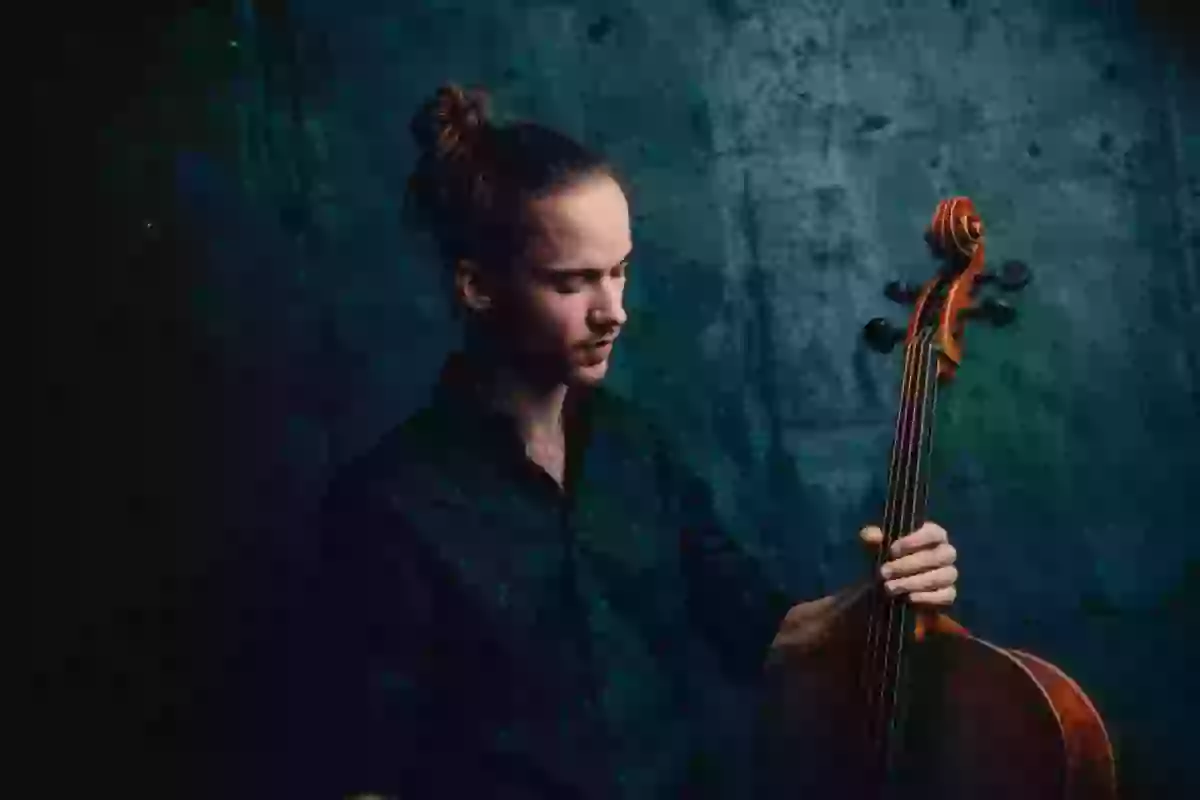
[
  {"x": 376, "y": 625},
  {"x": 730, "y": 597}
]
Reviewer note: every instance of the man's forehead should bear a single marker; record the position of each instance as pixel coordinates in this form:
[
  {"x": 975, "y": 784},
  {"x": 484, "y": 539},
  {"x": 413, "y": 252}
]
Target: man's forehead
[
  {"x": 584, "y": 226},
  {"x": 581, "y": 251},
  {"x": 587, "y": 260}
]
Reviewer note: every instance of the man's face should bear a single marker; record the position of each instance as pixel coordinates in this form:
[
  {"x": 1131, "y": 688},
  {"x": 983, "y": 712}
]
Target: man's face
[{"x": 567, "y": 295}]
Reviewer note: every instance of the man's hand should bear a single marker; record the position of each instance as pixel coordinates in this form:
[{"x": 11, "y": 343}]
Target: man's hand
[{"x": 921, "y": 564}]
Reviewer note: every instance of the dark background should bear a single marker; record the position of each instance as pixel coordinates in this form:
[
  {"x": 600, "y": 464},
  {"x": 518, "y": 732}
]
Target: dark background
[{"x": 225, "y": 308}]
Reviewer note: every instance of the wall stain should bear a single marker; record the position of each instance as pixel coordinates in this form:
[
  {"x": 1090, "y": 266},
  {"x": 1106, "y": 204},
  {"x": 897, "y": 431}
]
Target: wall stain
[
  {"x": 874, "y": 122},
  {"x": 599, "y": 30}
]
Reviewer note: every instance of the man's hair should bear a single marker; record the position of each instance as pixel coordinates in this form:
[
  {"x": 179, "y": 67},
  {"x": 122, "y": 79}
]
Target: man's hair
[{"x": 474, "y": 181}]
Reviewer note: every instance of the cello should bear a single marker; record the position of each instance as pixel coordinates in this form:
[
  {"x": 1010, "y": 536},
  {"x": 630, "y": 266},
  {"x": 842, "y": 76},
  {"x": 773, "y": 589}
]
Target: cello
[{"x": 898, "y": 701}]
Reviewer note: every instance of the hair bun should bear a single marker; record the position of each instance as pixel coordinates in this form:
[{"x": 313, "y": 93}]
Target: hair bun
[{"x": 449, "y": 124}]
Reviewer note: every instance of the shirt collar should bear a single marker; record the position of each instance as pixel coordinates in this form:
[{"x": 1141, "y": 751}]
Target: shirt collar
[{"x": 461, "y": 392}]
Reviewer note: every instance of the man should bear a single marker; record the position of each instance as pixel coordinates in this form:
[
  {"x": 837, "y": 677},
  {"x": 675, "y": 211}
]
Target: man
[{"x": 524, "y": 578}]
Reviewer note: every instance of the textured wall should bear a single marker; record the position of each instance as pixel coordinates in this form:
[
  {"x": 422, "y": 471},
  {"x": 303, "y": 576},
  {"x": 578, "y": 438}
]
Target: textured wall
[{"x": 786, "y": 156}]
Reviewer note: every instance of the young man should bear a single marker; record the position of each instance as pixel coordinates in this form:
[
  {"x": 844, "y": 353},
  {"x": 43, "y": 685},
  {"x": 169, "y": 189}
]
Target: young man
[{"x": 523, "y": 577}]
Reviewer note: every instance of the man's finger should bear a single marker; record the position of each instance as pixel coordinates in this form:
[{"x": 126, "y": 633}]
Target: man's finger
[
  {"x": 942, "y": 597},
  {"x": 928, "y": 534},
  {"x": 941, "y": 556},
  {"x": 929, "y": 581},
  {"x": 872, "y": 534}
]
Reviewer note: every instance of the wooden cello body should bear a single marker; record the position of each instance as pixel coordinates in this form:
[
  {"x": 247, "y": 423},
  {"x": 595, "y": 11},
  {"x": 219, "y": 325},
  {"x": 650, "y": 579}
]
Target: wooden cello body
[
  {"x": 984, "y": 723},
  {"x": 893, "y": 702}
]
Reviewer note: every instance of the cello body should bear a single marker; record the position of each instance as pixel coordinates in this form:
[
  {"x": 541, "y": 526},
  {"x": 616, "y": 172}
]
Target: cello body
[
  {"x": 983, "y": 723},
  {"x": 889, "y": 702}
]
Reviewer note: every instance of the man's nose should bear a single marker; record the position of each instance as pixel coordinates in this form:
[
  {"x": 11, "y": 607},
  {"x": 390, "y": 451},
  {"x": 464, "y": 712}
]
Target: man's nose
[{"x": 610, "y": 309}]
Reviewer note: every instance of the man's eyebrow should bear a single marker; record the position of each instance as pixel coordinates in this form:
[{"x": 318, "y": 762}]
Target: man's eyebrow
[{"x": 586, "y": 270}]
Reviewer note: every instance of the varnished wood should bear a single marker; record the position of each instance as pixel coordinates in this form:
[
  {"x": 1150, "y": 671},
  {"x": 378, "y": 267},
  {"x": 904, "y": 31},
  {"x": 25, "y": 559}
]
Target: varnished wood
[
  {"x": 987, "y": 723},
  {"x": 1091, "y": 767}
]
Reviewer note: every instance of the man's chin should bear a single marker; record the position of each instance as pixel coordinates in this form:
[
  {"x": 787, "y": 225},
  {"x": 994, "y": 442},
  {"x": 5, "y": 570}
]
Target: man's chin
[{"x": 590, "y": 371}]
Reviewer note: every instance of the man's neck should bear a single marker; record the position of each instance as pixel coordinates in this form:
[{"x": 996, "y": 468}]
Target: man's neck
[{"x": 537, "y": 411}]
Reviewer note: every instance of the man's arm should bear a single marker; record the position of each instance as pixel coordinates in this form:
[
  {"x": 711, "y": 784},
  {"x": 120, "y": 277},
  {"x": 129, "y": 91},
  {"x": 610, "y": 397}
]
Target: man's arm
[
  {"x": 375, "y": 622},
  {"x": 730, "y": 597},
  {"x": 752, "y": 621},
  {"x": 808, "y": 625}
]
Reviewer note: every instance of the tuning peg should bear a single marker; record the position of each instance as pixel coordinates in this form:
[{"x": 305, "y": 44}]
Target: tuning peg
[
  {"x": 881, "y": 335},
  {"x": 997, "y": 312},
  {"x": 1013, "y": 275},
  {"x": 902, "y": 293}
]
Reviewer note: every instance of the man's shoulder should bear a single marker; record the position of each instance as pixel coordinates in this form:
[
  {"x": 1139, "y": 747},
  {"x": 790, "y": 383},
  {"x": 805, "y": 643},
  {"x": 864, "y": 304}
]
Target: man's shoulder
[{"x": 396, "y": 459}]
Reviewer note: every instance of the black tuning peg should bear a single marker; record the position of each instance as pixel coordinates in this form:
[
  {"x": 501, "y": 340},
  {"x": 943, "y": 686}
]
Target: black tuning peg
[
  {"x": 997, "y": 312},
  {"x": 1013, "y": 275},
  {"x": 902, "y": 293},
  {"x": 881, "y": 335}
]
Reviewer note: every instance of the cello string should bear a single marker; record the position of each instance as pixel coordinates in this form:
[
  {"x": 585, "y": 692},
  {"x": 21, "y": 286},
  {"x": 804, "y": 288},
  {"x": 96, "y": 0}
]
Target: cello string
[
  {"x": 869, "y": 678},
  {"x": 920, "y": 443},
  {"x": 891, "y": 525},
  {"x": 877, "y": 710},
  {"x": 903, "y": 520}
]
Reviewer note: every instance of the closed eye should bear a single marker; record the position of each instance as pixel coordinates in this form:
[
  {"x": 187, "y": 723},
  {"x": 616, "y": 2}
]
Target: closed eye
[{"x": 570, "y": 281}]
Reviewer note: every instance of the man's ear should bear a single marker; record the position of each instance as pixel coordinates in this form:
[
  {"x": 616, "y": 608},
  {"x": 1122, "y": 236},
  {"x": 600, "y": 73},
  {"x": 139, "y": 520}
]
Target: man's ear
[{"x": 470, "y": 286}]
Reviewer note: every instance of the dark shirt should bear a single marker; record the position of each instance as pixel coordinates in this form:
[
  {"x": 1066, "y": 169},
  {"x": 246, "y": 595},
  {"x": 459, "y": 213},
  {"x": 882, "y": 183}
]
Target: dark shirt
[{"x": 500, "y": 636}]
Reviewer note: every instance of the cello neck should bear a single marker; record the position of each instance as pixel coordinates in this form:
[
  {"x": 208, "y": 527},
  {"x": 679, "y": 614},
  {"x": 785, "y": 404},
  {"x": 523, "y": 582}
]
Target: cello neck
[
  {"x": 908, "y": 471},
  {"x": 907, "y": 489}
]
